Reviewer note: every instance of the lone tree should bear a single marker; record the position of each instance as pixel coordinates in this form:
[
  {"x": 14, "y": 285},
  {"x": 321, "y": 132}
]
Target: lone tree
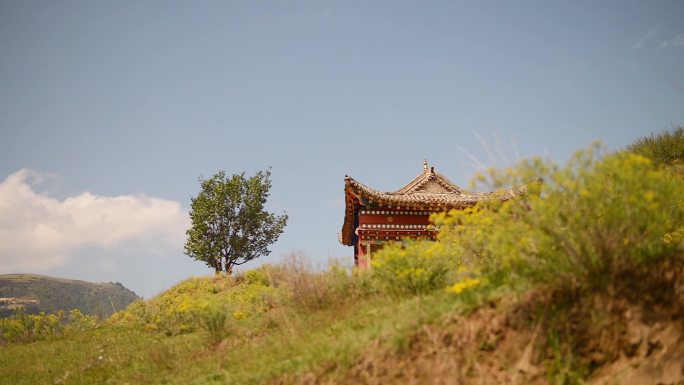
[{"x": 229, "y": 223}]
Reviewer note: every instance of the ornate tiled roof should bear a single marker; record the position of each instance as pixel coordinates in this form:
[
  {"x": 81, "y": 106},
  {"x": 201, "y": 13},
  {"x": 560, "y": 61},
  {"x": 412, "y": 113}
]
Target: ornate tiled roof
[{"x": 430, "y": 191}]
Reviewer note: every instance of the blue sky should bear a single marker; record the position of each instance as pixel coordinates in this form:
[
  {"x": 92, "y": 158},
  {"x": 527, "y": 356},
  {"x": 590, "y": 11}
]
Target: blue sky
[{"x": 110, "y": 111}]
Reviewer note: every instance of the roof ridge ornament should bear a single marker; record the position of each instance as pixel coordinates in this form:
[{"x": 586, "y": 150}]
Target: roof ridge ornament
[{"x": 425, "y": 164}]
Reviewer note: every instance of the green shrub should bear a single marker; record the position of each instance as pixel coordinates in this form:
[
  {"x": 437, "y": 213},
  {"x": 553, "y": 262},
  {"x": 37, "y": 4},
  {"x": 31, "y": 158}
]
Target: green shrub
[
  {"x": 213, "y": 318},
  {"x": 588, "y": 221},
  {"x": 258, "y": 276},
  {"x": 81, "y": 322},
  {"x": 190, "y": 305},
  {"x": 25, "y": 328},
  {"x": 416, "y": 268},
  {"x": 22, "y": 327},
  {"x": 249, "y": 299},
  {"x": 584, "y": 224}
]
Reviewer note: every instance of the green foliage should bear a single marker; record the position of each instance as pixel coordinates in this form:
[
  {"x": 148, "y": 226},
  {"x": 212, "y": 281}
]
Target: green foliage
[
  {"x": 229, "y": 223},
  {"x": 79, "y": 322},
  {"x": 24, "y": 328},
  {"x": 250, "y": 298},
  {"x": 258, "y": 276},
  {"x": 561, "y": 368},
  {"x": 413, "y": 269},
  {"x": 200, "y": 303},
  {"x": 221, "y": 303},
  {"x": 213, "y": 318},
  {"x": 665, "y": 148},
  {"x": 586, "y": 221},
  {"x": 578, "y": 230},
  {"x": 252, "y": 352},
  {"x": 589, "y": 219}
]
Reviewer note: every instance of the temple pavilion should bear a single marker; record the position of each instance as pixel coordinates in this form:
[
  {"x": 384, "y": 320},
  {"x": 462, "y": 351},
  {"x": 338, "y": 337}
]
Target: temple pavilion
[{"x": 373, "y": 218}]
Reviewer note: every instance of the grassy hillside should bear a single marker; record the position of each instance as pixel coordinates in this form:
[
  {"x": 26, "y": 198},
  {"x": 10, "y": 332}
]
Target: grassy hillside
[
  {"x": 53, "y": 294},
  {"x": 581, "y": 282},
  {"x": 665, "y": 148}
]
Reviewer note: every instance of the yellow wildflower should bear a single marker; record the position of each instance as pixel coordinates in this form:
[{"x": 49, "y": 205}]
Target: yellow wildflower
[
  {"x": 461, "y": 286},
  {"x": 238, "y": 315}
]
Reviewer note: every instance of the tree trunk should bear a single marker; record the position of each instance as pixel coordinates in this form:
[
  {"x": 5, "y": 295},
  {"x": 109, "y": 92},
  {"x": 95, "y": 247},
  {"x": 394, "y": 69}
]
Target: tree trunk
[{"x": 216, "y": 264}]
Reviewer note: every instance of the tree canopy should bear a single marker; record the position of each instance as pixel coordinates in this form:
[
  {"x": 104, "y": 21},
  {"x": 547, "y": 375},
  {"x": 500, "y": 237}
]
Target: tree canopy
[{"x": 230, "y": 225}]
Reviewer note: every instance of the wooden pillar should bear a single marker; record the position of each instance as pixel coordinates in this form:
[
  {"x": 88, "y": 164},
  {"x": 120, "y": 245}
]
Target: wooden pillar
[{"x": 368, "y": 253}]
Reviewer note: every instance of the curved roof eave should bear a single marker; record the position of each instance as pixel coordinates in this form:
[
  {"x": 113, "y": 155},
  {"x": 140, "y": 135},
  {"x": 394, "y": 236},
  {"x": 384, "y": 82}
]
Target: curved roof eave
[{"x": 407, "y": 197}]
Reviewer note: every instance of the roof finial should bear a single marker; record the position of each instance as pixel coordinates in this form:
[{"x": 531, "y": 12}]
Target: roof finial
[{"x": 425, "y": 166}]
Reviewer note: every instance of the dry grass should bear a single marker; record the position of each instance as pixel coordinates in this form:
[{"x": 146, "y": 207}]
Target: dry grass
[{"x": 311, "y": 290}]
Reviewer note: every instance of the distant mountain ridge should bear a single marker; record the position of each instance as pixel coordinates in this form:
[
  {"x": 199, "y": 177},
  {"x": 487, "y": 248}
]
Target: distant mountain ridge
[{"x": 36, "y": 293}]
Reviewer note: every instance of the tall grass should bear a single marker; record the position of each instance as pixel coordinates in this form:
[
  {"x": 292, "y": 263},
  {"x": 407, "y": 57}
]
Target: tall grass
[
  {"x": 307, "y": 289},
  {"x": 665, "y": 148}
]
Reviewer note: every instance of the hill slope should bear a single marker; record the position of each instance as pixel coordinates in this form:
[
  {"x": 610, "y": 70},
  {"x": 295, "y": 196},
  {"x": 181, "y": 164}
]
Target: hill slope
[
  {"x": 38, "y": 293},
  {"x": 581, "y": 283}
]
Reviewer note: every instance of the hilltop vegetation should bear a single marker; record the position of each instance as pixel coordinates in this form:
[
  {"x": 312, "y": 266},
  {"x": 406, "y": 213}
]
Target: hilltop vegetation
[
  {"x": 665, "y": 148},
  {"x": 55, "y": 294},
  {"x": 579, "y": 282}
]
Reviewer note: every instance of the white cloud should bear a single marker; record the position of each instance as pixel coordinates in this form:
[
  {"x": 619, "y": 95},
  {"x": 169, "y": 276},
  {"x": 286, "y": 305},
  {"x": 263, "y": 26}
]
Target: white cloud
[
  {"x": 39, "y": 232},
  {"x": 677, "y": 41},
  {"x": 645, "y": 37}
]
